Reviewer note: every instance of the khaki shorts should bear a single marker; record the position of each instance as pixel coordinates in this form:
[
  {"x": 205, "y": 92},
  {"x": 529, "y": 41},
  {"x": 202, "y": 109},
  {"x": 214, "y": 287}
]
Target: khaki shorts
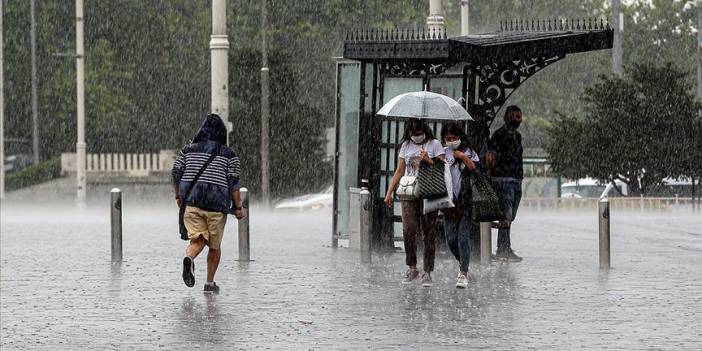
[{"x": 209, "y": 225}]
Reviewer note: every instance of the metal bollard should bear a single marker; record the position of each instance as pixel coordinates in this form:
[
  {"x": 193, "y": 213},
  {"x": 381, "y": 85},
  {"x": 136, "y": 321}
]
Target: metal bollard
[
  {"x": 365, "y": 229},
  {"x": 244, "y": 227},
  {"x": 116, "y": 221},
  {"x": 485, "y": 242},
  {"x": 603, "y": 207}
]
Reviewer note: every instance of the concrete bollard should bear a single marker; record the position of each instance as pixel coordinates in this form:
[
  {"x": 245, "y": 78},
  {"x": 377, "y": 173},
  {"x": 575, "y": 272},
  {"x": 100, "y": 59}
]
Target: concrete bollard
[
  {"x": 485, "y": 242},
  {"x": 116, "y": 224},
  {"x": 244, "y": 254},
  {"x": 604, "y": 213},
  {"x": 365, "y": 229}
]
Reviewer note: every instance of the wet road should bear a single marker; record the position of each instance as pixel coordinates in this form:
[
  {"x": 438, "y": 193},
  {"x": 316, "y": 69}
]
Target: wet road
[{"x": 59, "y": 291}]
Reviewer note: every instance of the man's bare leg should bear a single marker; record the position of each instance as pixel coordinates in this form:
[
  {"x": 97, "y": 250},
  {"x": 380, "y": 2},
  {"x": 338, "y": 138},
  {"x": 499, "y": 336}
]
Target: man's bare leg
[
  {"x": 195, "y": 247},
  {"x": 213, "y": 257}
]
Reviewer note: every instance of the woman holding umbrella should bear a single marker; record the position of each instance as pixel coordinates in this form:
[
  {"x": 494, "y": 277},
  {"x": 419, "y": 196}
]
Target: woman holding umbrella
[{"x": 418, "y": 145}]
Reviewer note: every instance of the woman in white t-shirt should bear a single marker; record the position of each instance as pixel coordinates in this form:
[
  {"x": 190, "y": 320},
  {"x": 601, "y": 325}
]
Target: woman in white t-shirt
[{"x": 418, "y": 145}]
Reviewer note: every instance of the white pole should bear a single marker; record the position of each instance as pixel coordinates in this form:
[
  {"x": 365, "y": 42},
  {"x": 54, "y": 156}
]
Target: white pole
[
  {"x": 2, "y": 110},
  {"x": 465, "y": 17},
  {"x": 33, "y": 49},
  {"x": 265, "y": 108},
  {"x": 435, "y": 21},
  {"x": 219, "y": 51},
  {"x": 80, "y": 91},
  {"x": 617, "y": 45}
]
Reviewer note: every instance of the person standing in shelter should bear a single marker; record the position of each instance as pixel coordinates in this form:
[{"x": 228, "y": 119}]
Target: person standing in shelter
[
  {"x": 418, "y": 145},
  {"x": 211, "y": 197},
  {"x": 462, "y": 160},
  {"x": 504, "y": 161}
]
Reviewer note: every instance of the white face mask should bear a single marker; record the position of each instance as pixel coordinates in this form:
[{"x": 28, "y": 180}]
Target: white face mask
[
  {"x": 418, "y": 139},
  {"x": 453, "y": 144}
]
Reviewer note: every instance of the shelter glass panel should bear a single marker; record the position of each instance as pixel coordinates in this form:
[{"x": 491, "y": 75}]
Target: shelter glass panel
[
  {"x": 348, "y": 85},
  {"x": 451, "y": 87}
]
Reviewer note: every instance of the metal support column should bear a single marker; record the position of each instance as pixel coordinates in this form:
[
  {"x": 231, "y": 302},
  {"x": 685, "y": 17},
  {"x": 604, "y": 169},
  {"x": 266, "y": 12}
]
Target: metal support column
[
  {"x": 366, "y": 225},
  {"x": 116, "y": 224},
  {"x": 485, "y": 242},
  {"x": 244, "y": 254},
  {"x": 604, "y": 215}
]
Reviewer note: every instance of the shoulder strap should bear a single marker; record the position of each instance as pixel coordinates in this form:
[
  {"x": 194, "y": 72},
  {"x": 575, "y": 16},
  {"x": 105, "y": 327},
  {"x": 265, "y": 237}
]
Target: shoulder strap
[{"x": 199, "y": 173}]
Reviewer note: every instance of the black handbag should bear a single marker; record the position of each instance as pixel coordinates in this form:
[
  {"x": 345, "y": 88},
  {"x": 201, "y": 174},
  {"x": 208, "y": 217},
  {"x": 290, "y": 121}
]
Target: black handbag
[
  {"x": 181, "y": 210},
  {"x": 485, "y": 203},
  {"x": 430, "y": 180}
]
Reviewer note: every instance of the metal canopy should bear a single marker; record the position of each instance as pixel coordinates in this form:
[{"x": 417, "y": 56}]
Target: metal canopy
[
  {"x": 494, "y": 64},
  {"x": 509, "y": 43}
]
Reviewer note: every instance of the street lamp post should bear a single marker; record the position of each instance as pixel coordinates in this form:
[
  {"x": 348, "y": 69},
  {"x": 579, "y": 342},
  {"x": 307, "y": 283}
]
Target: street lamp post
[
  {"x": 265, "y": 108},
  {"x": 465, "y": 18},
  {"x": 435, "y": 21},
  {"x": 2, "y": 110},
  {"x": 617, "y": 45},
  {"x": 80, "y": 91},
  {"x": 35, "y": 114},
  {"x": 699, "y": 53},
  {"x": 219, "y": 51}
]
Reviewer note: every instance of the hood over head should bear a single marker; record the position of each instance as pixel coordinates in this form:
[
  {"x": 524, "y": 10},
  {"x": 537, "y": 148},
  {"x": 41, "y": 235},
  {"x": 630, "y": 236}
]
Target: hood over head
[{"x": 212, "y": 129}]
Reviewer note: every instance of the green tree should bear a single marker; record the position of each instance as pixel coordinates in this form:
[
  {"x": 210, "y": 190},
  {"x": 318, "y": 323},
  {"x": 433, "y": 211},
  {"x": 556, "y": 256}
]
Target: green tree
[{"x": 638, "y": 126}]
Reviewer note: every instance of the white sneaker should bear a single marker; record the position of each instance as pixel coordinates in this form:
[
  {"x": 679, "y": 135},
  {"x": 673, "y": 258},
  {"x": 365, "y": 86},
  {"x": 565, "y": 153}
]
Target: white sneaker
[
  {"x": 426, "y": 280},
  {"x": 461, "y": 281}
]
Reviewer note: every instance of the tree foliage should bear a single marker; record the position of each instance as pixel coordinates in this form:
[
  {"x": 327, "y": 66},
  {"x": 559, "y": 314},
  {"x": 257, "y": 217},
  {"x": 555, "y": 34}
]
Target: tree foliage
[{"x": 643, "y": 126}]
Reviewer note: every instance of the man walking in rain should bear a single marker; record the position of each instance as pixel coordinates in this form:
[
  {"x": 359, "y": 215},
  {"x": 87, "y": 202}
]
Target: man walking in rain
[
  {"x": 504, "y": 161},
  {"x": 211, "y": 197}
]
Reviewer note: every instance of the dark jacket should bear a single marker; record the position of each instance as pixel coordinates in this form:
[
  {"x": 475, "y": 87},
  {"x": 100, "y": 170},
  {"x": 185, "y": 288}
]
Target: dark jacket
[
  {"x": 506, "y": 143},
  {"x": 220, "y": 178}
]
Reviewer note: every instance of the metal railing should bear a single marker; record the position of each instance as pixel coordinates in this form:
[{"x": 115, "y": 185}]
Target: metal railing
[
  {"x": 619, "y": 203},
  {"x": 132, "y": 163}
]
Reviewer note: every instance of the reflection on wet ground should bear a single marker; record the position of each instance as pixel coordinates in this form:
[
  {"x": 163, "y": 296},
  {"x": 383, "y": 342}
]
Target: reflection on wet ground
[{"x": 59, "y": 290}]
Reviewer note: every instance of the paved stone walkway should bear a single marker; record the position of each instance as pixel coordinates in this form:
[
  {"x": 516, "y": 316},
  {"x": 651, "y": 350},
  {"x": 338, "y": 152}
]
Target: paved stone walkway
[{"x": 59, "y": 291}]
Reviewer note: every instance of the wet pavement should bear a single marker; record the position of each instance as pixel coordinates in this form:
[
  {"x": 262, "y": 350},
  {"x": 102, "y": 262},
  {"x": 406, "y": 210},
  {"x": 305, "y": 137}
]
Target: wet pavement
[{"x": 58, "y": 289}]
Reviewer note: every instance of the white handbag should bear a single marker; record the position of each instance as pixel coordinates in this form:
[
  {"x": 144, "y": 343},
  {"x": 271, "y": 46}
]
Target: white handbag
[{"x": 407, "y": 188}]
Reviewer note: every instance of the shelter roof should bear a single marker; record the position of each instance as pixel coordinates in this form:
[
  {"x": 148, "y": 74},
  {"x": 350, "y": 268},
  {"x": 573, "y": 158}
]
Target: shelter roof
[{"x": 525, "y": 39}]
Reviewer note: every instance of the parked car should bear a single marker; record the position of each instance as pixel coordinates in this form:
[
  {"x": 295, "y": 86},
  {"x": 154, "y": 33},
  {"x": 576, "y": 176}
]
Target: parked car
[
  {"x": 18, "y": 155},
  {"x": 314, "y": 201},
  {"x": 590, "y": 188}
]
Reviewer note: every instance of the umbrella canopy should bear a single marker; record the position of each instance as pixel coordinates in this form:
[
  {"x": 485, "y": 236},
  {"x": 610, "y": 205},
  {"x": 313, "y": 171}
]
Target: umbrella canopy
[{"x": 426, "y": 105}]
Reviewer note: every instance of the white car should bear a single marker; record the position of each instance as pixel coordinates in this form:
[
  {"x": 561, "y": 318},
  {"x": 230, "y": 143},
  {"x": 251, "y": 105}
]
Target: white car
[{"x": 315, "y": 201}]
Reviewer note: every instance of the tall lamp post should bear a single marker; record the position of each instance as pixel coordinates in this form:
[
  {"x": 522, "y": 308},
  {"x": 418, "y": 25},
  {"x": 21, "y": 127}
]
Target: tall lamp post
[
  {"x": 80, "y": 91},
  {"x": 219, "y": 51},
  {"x": 2, "y": 110},
  {"x": 465, "y": 17},
  {"x": 617, "y": 45},
  {"x": 265, "y": 108},
  {"x": 435, "y": 21},
  {"x": 33, "y": 49},
  {"x": 699, "y": 53}
]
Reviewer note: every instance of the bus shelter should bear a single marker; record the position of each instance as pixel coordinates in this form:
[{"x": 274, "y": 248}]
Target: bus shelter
[{"x": 480, "y": 70}]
